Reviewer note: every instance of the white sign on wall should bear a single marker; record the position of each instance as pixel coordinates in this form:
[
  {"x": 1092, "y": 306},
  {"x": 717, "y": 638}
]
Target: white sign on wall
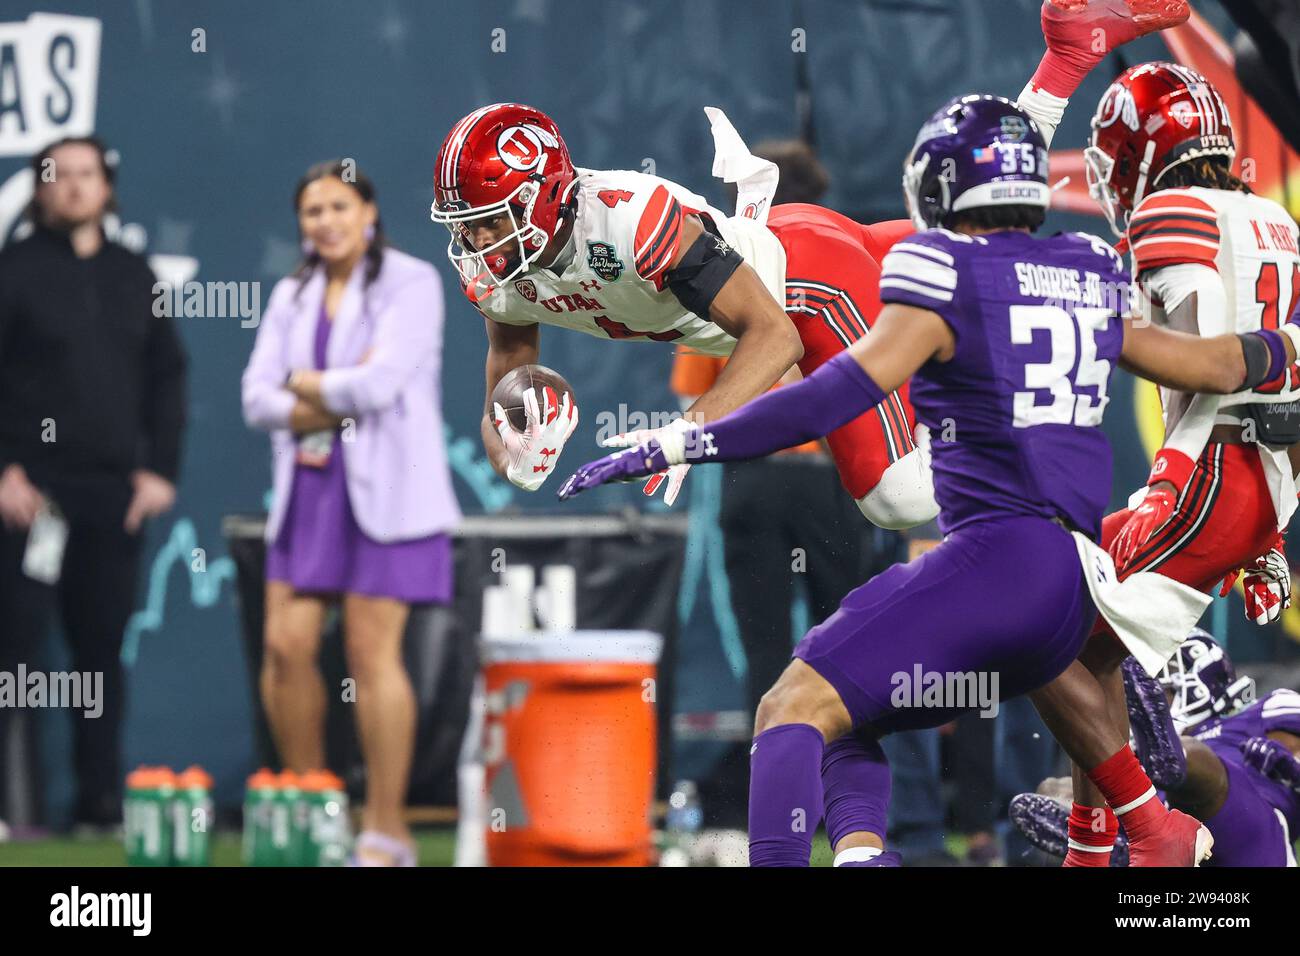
[{"x": 49, "y": 77}]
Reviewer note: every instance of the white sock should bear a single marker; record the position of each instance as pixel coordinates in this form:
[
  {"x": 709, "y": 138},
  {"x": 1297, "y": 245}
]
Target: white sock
[
  {"x": 857, "y": 854},
  {"x": 1046, "y": 109}
]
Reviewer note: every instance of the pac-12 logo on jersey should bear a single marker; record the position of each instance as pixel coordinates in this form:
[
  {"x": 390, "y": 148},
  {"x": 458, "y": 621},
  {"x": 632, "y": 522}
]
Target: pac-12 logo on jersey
[
  {"x": 602, "y": 259},
  {"x": 527, "y": 289},
  {"x": 524, "y": 147}
]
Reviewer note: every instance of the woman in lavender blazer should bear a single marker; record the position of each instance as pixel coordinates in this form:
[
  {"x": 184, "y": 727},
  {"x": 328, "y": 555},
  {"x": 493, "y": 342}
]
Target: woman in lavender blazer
[{"x": 345, "y": 377}]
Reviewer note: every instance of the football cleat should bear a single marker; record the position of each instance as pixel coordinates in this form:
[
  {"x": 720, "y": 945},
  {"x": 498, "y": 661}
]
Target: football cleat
[
  {"x": 1071, "y": 26},
  {"x": 1155, "y": 738},
  {"x": 1181, "y": 840},
  {"x": 887, "y": 858},
  {"x": 1044, "y": 821}
]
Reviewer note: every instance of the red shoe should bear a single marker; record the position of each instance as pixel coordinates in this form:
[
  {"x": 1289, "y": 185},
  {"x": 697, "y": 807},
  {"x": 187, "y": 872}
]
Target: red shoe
[
  {"x": 1180, "y": 841},
  {"x": 1068, "y": 24},
  {"x": 1080, "y": 33}
]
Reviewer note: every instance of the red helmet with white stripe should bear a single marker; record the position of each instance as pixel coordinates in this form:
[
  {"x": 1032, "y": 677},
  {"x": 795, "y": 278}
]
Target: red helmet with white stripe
[
  {"x": 1155, "y": 116},
  {"x": 502, "y": 160}
]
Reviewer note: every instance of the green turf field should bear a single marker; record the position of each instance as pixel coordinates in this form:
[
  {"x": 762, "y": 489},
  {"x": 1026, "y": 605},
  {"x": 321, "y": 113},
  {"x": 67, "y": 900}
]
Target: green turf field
[{"x": 436, "y": 848}]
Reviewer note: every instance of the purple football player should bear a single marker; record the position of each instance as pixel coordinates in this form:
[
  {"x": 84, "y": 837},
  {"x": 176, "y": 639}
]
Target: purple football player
[
  {"x": 1217, "y": 753},
  {"x": 1009, "y": 341}
]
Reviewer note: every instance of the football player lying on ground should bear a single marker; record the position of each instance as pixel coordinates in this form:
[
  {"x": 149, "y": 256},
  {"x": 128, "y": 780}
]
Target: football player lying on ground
[
  {"x": 1210, "y": 257},
  {"x": 1216, "y": 752},
  {"x": 1010, "y": 342},
  {"x": 627, "y": 256}
]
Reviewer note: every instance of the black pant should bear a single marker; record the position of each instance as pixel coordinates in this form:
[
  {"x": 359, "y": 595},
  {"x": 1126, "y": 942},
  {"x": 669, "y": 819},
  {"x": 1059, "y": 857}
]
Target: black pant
[
  {"x": 973, "y": 770},
  {"x": 784, "y": 522},
  {"x": 94, "y": 599}
]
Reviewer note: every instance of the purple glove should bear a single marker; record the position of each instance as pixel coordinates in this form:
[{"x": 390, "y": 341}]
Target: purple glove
[
  {"x": 1273, "y": 759},
  {"x": 626, "y": 465},
  {"x": 830, "y": 397}
]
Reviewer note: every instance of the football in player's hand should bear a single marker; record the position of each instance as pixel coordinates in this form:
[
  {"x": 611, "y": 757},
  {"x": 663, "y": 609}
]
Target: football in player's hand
[{"x": 509, "y": 392}]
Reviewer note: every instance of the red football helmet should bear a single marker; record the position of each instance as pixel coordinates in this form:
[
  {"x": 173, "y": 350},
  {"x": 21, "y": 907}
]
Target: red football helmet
[
  {"x": 1152, "y": 118},
  {"x": 505, "y": 159}
]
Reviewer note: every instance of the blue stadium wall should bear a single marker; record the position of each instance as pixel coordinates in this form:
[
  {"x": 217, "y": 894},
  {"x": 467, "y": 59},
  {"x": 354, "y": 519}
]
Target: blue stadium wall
[{"x": 211, "y": 144}]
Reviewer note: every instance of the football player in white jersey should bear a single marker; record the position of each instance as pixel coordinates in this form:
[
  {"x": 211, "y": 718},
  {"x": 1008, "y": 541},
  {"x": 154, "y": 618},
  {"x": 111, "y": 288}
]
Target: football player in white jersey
[
  {"x": 623, "y": 255},
  {"x": 1209, "y": 257},
  {"x": 627, "y": 256}
]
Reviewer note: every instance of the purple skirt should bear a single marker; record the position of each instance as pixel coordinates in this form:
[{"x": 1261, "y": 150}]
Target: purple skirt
[{"x": 320, "y": 548}]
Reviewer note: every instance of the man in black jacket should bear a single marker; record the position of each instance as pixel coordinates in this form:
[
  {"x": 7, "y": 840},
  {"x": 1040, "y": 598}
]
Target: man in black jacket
[{"x": 92, "y": 406}]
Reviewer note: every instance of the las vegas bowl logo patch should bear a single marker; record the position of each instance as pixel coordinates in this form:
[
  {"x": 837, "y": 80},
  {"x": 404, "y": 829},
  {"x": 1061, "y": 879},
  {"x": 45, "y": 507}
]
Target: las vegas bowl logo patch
[
  {"x": 602, "y": 259},
  {"x": 526, "y": 288}
]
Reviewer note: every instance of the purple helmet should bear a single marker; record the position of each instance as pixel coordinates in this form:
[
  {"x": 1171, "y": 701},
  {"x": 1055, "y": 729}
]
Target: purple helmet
[
  {"x": 1204, "y": 682},
  {"x": 977, "y": 150}
]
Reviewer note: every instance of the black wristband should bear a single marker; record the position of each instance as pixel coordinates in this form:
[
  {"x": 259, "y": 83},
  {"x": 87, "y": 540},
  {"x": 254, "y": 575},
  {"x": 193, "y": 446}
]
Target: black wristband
[
  {"x": 702, "y": 272},
  {"x": 1265, "y": 355}
]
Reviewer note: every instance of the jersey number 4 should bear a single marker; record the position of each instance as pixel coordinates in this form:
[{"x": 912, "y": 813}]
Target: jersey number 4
[
  {"x": 1066, "y": 407},
  {"x": 617, "y": 330}
]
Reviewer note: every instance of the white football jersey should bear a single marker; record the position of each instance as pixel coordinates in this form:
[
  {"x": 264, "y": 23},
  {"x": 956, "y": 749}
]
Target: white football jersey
[
  {"x": 1252, "y": 243},
  {"x": 1249, "y": 240},
  {"x": 627, "y": 229}
]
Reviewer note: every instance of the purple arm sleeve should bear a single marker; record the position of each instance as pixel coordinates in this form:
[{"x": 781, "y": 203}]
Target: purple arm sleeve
[
  {"x": 832, "y": 396},
  {"x": 1276, "y": 353}
]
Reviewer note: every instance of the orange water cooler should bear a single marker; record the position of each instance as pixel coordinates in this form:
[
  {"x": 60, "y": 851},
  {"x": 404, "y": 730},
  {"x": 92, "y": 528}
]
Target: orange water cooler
[{"x": 569, "y": 747}]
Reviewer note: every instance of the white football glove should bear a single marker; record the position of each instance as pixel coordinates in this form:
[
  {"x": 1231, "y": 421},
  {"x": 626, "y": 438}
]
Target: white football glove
[
  {"x": 534, "y": 451},
  {"x": 673, "y": 476},
  {"x": 1267, "y": 586}
]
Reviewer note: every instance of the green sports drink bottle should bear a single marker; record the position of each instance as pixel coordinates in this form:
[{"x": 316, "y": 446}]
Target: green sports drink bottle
[
  {"x": 329, "y": 838},
  {"x": 259, "y": 798},
  {"x": 192, "y": 819},
  {"x": 147, "y": 816},
  {"x": 286, "y": 832},
  {"x": 132, "y": 800}
]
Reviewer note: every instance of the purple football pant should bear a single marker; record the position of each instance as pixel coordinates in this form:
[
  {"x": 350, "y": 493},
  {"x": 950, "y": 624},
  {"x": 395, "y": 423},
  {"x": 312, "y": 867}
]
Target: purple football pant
[
  {"x": 1248, "y": 830},
  {"x": 998, "y": 609}
]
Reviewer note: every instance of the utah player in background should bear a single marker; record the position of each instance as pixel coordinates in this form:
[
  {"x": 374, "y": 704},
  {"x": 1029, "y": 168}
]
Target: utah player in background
[
  {"x": 1011, "y": 340},
  {"x": 1209, "y": 257},
  {"x": 1217, "y": 753},
  {"x": 627, "y": 256}
]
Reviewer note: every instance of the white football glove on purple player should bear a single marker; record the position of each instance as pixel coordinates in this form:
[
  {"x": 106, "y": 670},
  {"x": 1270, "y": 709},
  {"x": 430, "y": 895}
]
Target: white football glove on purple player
[
  {"x": 534, "y": 451},
  {"x": 673, "y": 476},
  {"x": 655, "y": 456}
]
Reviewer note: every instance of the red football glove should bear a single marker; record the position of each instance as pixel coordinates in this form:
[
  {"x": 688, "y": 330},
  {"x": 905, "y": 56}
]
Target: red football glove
[
  {"x": 1169, "y": 468},
  {"x": 1147, "y": 518}
]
